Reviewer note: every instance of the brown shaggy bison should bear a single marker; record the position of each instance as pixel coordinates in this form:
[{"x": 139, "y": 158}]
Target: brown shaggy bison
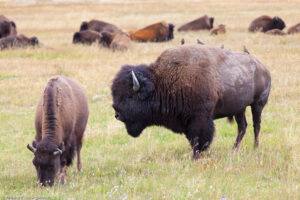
[
  {"x": 202, "y": 23},
  {"x": 60, "y": 120},
  {"x": 86, "y": 37},
  {"x": 7, "y": 27},
  {"x": 189, "y": 86},
  {"x": 158, "y": 32},
  {"x": 116, "y": 41},
  {"x": 294, "y": 29},
  {"x": 99, "y": 26},
  {"x": 275, "y": 32},
  {"x": 220, "y": 30},
  {"x": 265, "y": 23},
  {"x": 18, "y": 41}
]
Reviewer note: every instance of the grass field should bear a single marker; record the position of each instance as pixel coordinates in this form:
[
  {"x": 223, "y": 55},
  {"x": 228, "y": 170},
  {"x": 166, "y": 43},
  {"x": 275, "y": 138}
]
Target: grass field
[{"x": 158, "y": 164}]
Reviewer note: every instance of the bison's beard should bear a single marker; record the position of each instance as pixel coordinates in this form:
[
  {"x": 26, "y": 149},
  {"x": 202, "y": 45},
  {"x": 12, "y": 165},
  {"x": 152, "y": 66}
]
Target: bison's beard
[{"x": 134, "y": 129}]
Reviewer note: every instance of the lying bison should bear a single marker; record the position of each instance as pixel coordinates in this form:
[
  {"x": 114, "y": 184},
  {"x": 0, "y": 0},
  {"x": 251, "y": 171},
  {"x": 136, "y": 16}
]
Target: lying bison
[
  {"x": 188, "y": 87},
  {"x": 220, "y": 30},
  {"x": 265, "y": 23},
  {"x": 60, "y": 121},
  {"x": 99, "y": 26},
  {"x": 275, "y": 32},
  {"x": 18, "y": 41},
  {"x": 86, "y": 37},
  {"x": 7, "y": 27},
  {"x": 294, "y": 29},
  {"x": 158, "y": 32},
  {"x": 202, "y": 23},
  {"x": 116, "y": 41}
]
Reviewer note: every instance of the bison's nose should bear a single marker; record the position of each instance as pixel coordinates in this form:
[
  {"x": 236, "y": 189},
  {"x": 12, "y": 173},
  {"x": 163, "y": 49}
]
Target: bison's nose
[{"x": 117, "y": 116}]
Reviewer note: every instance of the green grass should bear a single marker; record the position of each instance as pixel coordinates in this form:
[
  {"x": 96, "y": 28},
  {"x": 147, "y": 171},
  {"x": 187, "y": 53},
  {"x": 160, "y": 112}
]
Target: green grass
[{"x": 158, "y": 164}]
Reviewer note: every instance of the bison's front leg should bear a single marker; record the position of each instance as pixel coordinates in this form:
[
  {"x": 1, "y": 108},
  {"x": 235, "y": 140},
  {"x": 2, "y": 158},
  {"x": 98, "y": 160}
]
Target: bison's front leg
[
  {"x": 200, "y": 134},
  {"x": 63, "y": 174}
]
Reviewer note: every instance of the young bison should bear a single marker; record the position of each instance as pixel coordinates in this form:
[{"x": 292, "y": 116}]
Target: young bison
[
  {"x": 220, "y": 30},
  {"x": 188, "y": 87},
  {"x": 60, "y": 120},
  {"x": 294, "y": 29},
  {"x": 202, "y": 23},
  {"x": 17, "y": 41},
  {"x": 7, "y": 27},
  {"x": 275, "y": 32},
  {"x": 86, "y": 37},
  {"x": 265, "y": 23},
  {"x": 117, "y": 41}
]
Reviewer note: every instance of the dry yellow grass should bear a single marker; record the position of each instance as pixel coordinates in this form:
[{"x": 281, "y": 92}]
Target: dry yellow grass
[{"x": 157, "y": 165}]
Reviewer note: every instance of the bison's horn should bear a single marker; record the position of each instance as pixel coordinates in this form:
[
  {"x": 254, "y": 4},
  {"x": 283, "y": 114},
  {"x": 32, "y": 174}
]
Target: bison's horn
[
  {"x": 31, "y": 148},
  {"x": 57, "y": 152},
  {"x": 136, "y": 84}
]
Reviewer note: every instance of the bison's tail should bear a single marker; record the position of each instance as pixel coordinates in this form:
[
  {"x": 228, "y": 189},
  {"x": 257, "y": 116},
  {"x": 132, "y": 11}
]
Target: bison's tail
[
  {"x": 211, "y": 20},
  {"x": 230, "y": 119},
  {"x": 84, "y": 26},
  {"x": 76, "y": 38}
]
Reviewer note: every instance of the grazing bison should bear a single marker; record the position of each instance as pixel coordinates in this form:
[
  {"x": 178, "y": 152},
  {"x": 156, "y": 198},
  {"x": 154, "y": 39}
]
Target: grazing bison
[
  {"x": 294, "y": 29},
  {"x": 17, "y": 41},
  {"x": 220, "y": 30},
  {"x": 201, "y": 23},
  {"x": 60, "y": 121},
  {"x": 265, "y": 23},
  {"x": 275, "y": 32},
  {"x": 86, "y": 37},
  {"x": 116, "y": 41},
  {"x": 98, "y": 26},
  {"x": 158, "y": 32},
  {"x": 188, "y": 87},
  {"x": 7, "y": 27}
]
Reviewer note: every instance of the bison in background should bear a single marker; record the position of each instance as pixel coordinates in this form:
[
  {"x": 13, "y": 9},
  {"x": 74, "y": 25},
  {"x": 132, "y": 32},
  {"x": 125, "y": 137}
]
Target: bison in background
[
  {"x": 158, "y": 32},
  {"x": 294, "y": 29},
  {"x": 86, "y": 37},
  {"x": 60, "y": 120},
  {"x": 220, "y": 30},
  {"x": 275, "y": 32},
  {"x": 202, "y": 23},
  {"x": 99, "y": 26},
  {"x": 7, "y": 27},
  {"x": 18, "y": 41},
  {"x": 116, "y": 41},
  {"x": 265, "y": 23},
  {"x": 189, "y": 86}
]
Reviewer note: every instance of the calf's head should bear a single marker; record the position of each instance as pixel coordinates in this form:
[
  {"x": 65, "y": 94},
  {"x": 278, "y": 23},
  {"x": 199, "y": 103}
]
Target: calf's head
[
  {"x": 46, "y": 161},
  {"x": 132, "y": 90}
]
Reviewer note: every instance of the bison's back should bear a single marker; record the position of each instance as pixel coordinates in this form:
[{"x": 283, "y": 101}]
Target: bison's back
[
  {"x": 198, "y": 24},
  {"x": 260, "y": 24},
  {"x": 155, "y": 32},
  {"x": 294, "y": 29}
]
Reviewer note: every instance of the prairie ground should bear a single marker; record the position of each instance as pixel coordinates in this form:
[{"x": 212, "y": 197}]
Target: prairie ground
[{"x": 158, "y": 164}]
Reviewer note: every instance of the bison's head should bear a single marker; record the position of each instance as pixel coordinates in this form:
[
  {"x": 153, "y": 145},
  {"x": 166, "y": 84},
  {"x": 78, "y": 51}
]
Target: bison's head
[
  {"x": 34, "y": 41},
  {"x": 46, "y": 160},
  {"x": 105, "y": 38},
  {"x": 171, "y": 31},
  {"x": 132, "y": 90},
  {"x": 278, "y": 23}
]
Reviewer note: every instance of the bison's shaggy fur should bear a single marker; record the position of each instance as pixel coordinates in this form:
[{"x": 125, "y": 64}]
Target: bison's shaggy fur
[
  {"x": 86, "y": 37},
  {"x": 60, "y": 121},
  {"x": 294, "y": 29},
  {"x": 188, "y": 87},
  {"x": 158, "y": 32},
  {"x": 18, "y": 41},
  {"x": 99, "y": 26},
  {"x": 220, "y": 30},
  {"x": 116, "y": 41},
  {"x": 275, "y": 32},
  {"x": 7, "y": 27},
  {"x": 265, "y": 23},
  {"x": 202, "y": 23}
]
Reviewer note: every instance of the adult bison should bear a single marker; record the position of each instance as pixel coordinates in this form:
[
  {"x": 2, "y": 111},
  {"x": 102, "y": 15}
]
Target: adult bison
[
  {"x": 116, "y": 41},
  {"x": 188, "y": 87},
  {"x": 86, "y": 37},
  {"x": 18, "y": 41},
  {"x": 99, "y": 26},
  {"x": 265, "y": 23},
  {"x": 60, "y": 121},
  {"x": 7, "y": 27},
  {"x": 294, "y": 29},
  {"x": 158, "y": 32},
  {"x": 202, "y": 23}
]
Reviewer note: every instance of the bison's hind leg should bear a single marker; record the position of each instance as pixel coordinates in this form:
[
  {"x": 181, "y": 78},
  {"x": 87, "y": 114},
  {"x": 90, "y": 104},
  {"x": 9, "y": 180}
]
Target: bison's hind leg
[
  {"x": 78, "y": 149},
  {"x": 200, "y": 134},
  {"x": 241, "y": 121},
  {"x": 256, "y": 116}
]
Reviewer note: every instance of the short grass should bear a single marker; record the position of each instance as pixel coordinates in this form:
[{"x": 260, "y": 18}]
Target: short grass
[{"x": 158, "y": 164}]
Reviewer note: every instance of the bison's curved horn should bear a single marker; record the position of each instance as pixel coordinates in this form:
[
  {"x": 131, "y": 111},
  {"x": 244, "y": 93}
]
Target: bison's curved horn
[
  {"x": 136, "y": 84},
  {"x": 57, "y": 152},
  {"x": 31, "y": 148}
]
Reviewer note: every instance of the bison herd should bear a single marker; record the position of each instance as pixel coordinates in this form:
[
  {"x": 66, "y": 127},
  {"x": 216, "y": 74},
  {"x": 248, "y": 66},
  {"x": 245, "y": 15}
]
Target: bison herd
[{"x": 185, "y": 89}]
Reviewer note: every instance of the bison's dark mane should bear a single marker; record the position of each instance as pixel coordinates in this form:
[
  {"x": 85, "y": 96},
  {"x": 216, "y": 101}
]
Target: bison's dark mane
[{"x": 84, "y": 26}]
